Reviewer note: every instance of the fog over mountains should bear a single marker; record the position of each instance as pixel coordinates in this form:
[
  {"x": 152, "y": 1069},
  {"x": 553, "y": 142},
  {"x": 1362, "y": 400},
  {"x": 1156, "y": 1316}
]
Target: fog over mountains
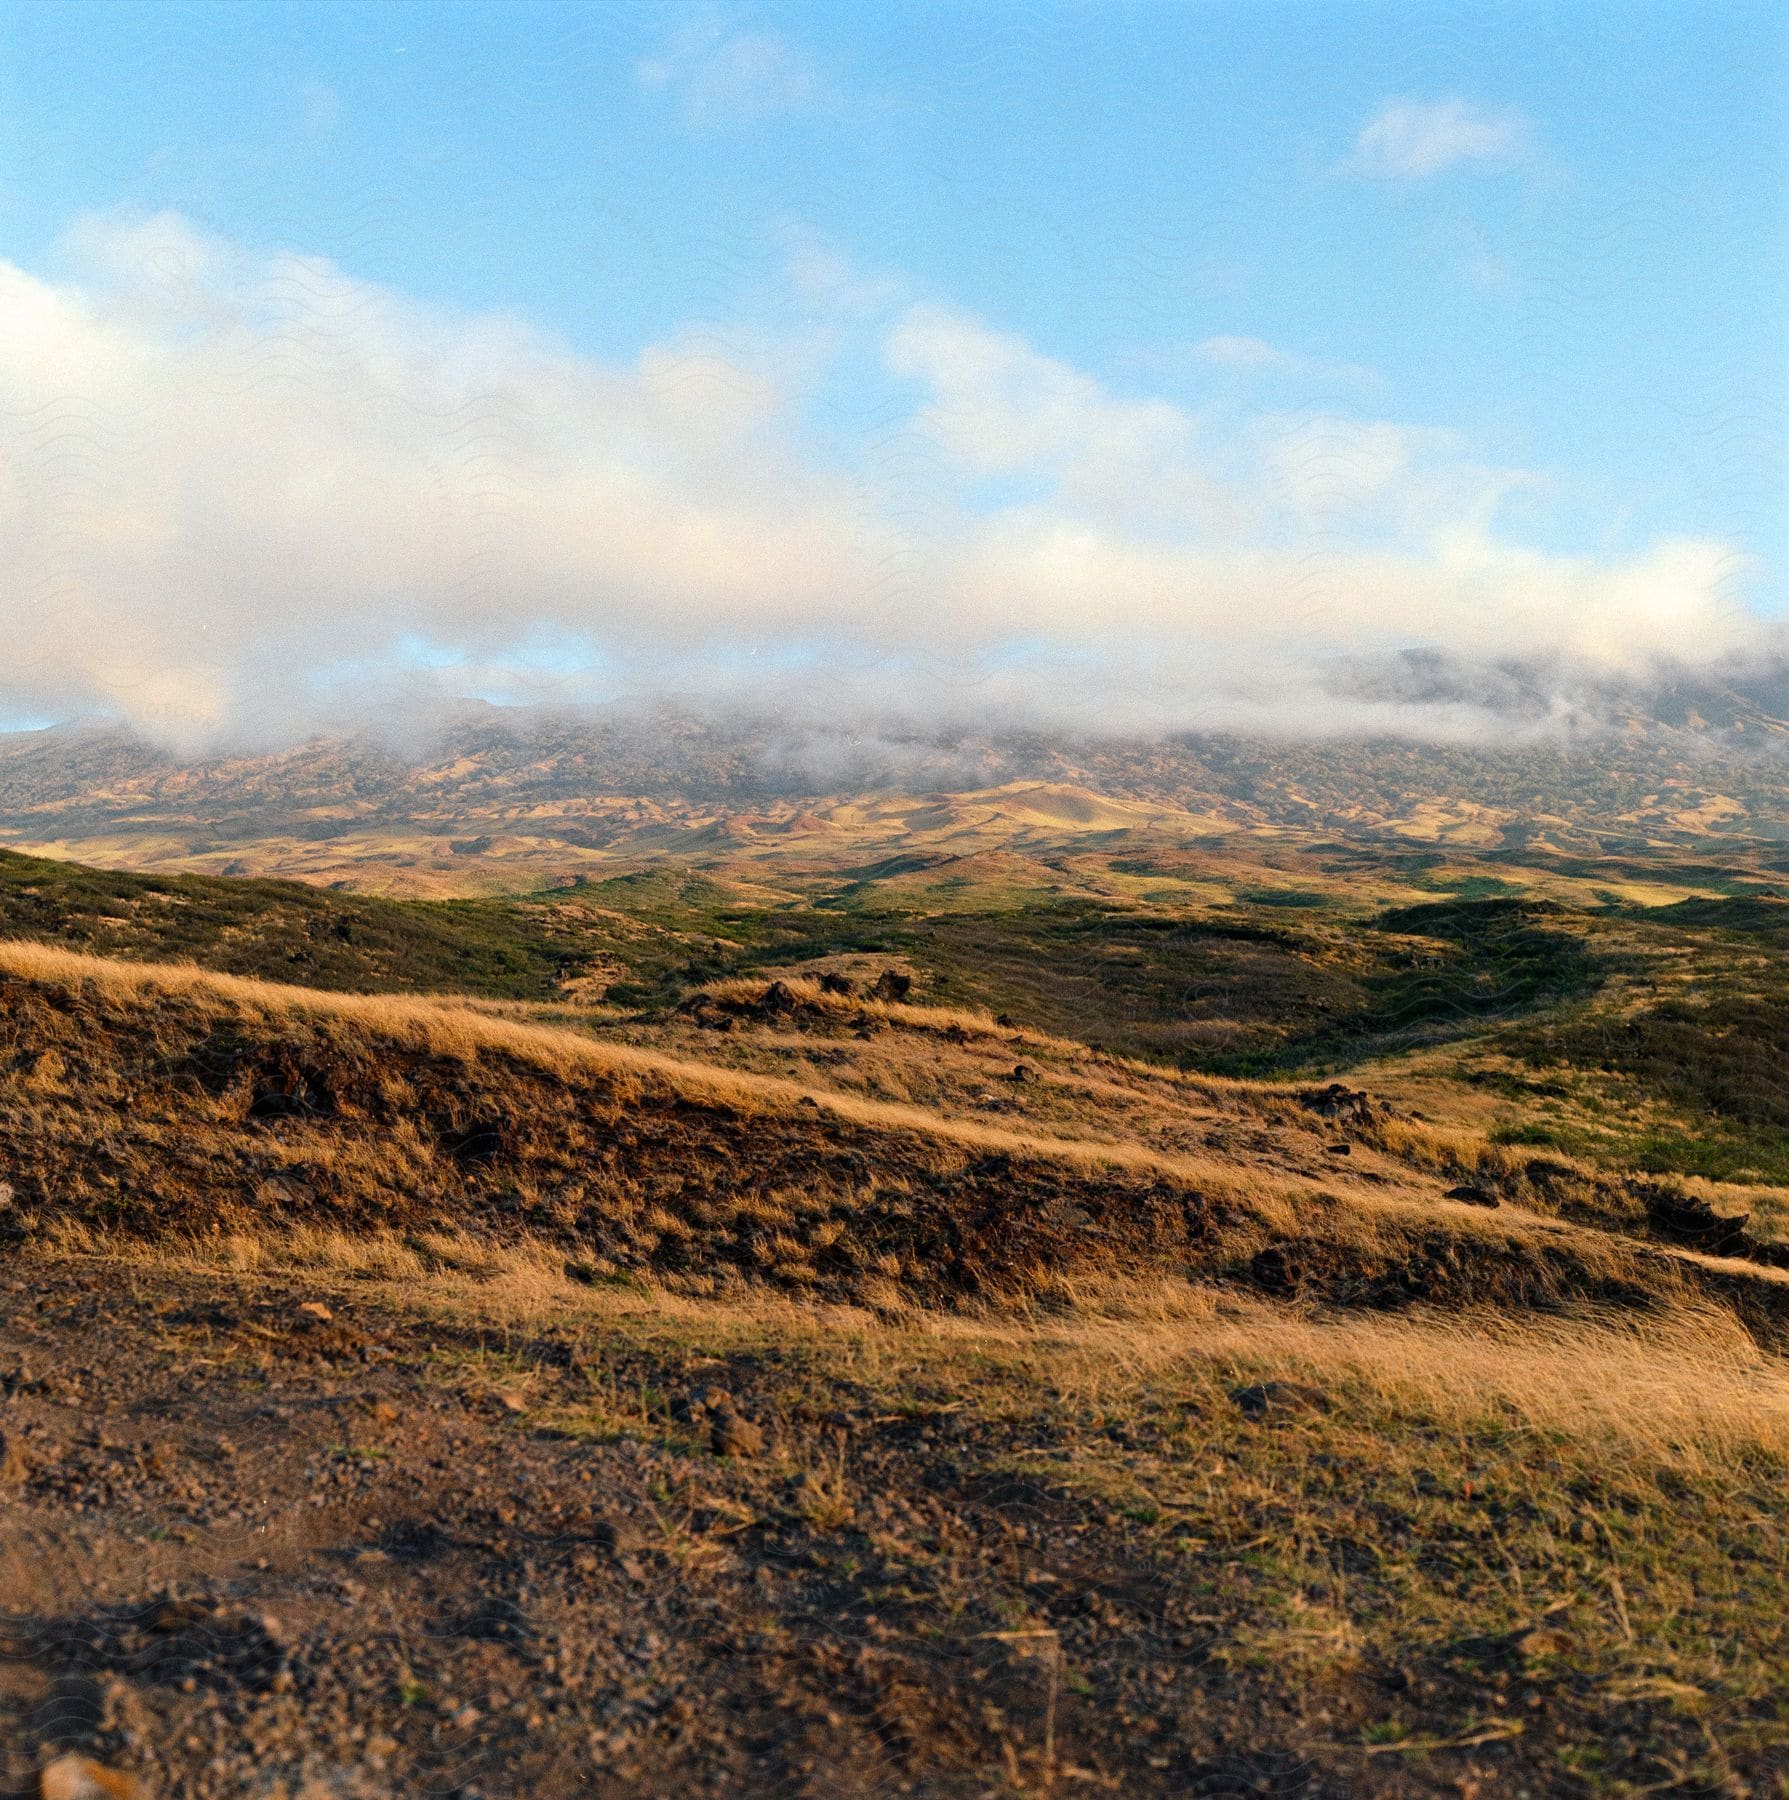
[
  {"x": 253, "y": 494},
  {"x": 1701, "y": 759}
]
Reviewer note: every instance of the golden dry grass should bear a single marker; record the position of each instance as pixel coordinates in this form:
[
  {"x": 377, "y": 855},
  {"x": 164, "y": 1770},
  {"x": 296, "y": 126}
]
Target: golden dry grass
[
  {"x": 1687, "y": 1381},
  {"x": 451, "y": 1028},
  {"x": 937, "y": 1020},
  {"x": 1685, "y": 1386},
  {"x": 911, "y": 1177}
]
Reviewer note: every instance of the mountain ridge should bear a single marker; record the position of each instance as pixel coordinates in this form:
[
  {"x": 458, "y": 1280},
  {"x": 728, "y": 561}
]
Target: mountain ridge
[{"x": 493, "y": 796}]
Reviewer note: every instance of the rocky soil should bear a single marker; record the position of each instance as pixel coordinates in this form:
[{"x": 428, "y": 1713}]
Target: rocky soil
[{"x": 260, "y": 1540}]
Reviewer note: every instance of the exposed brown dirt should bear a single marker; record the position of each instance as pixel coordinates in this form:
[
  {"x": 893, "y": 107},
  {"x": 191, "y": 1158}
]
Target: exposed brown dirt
[{"x": 258, "y": 1542}]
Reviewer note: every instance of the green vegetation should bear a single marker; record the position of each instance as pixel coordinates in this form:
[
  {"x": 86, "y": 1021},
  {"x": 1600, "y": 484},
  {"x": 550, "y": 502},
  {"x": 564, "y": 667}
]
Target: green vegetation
[
  {"x": 1723, "y": 1058},
  {"x": 1651, "y": 1037},
  {"x": 285, "y": 931},
  {"x": 1717, "y": 1062}
]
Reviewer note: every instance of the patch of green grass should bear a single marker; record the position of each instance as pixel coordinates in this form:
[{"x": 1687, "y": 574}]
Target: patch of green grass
[
  {"x": 1759, "y": 1158},
  {"x": 1467, "y": 887},
  {"x": 1752, "y": 912},
  {"x": 1297, "y": 899},
  {"x": 1310, "y": 984},
  {"x": 1719, "y": 1058},
  {"x": 1433, "y": 972},
  {"x": 1545, "y": 1135}
]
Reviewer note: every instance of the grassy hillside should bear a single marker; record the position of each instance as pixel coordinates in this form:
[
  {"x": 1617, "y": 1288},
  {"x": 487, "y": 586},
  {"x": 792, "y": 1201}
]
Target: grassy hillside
[
  {"x": 813, "y": 1335},
  {"x": 155, "y": 1102},
  {"x": 1632, "y": 1027},
  {"x": 284, "y": 930},
  {"x": 805, "y": 1389}
]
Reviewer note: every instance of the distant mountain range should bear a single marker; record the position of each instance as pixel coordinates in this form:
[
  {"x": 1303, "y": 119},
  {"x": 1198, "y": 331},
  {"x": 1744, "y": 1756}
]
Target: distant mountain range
[{"x": 489, "y": 793}]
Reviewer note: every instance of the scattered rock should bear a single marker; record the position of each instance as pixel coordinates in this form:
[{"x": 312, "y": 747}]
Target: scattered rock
[
  {"x": 170, "y": 1614},
  {"x": 1340, "y": 1149},
  {"x": 285, "y": 1192},
  {"x": 1022, "y": 1072},
  {"x": 1689, "y": 1219},
  {"x": 834, "y": 983},
  {"x": 415, "y": 1540},
  {"x": 1273, "y": 1399},
  {"x": 510, "y": 1400},
  {"x": 736, "y": 1435},
  {"x": 702, "y": 1404},
  {"x": 1544, "y": 1640},
  {"x": 497, "y": 1620},
  {"x": 1274, "y": 1271},
  {"x": 779, "y": 997},
  {"x": 15, "y": 1466},
  {"x": 1473, "y": 1195},
  {"x": 1346, "y": 1105},
  {"x": 1065, "y": 1215},
  {"x": 620, "y": 1539},
  {"x": 892, "y": 984},
  {"x": 315, "y": 1309},
  {"x": 81, "y": 1778},
  {"x": 219, "y": 1318}
]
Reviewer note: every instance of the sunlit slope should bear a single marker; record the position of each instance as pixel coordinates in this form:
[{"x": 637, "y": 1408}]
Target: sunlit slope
[{"x": 165, "y": 1102}]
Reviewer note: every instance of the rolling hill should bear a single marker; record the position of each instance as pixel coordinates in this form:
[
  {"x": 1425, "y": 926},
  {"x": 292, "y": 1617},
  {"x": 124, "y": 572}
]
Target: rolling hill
[
  {"x": 1025, "y": 1287},
  {"x": 800, "y": 1390}
]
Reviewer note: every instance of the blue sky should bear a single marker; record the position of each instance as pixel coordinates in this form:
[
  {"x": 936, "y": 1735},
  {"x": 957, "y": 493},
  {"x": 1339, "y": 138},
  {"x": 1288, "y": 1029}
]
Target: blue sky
[{"x": 1519, "y": 271}]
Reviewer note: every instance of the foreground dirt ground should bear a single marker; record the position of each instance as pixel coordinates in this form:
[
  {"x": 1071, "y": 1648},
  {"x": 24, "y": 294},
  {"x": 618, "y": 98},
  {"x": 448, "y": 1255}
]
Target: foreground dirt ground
[{"x": 280, "y": 1535}]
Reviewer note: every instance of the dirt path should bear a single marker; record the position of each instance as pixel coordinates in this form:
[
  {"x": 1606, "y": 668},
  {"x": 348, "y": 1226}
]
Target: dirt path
[{"x": 254, "y": 1542}]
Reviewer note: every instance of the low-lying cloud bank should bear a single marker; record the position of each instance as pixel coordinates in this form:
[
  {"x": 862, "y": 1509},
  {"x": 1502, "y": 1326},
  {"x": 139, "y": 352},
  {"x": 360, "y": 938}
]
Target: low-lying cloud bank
[{"x": 244, "y": 495}]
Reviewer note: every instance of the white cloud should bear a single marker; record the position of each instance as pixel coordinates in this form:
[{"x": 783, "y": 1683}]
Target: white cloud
[
  {"x": 226, "y": 472},
  {"x": 999, "y": 407},
  {"x": 828, "y": 282},
  {"x": 722, "y": 75},
  {"x": 1254, "y": 356},
  {"x": 1330, "y": 471},
  {"x": 231, "y": 483},
  {"x": 1408, "y": 139},
  {"x": 1246, "y": 353}
]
